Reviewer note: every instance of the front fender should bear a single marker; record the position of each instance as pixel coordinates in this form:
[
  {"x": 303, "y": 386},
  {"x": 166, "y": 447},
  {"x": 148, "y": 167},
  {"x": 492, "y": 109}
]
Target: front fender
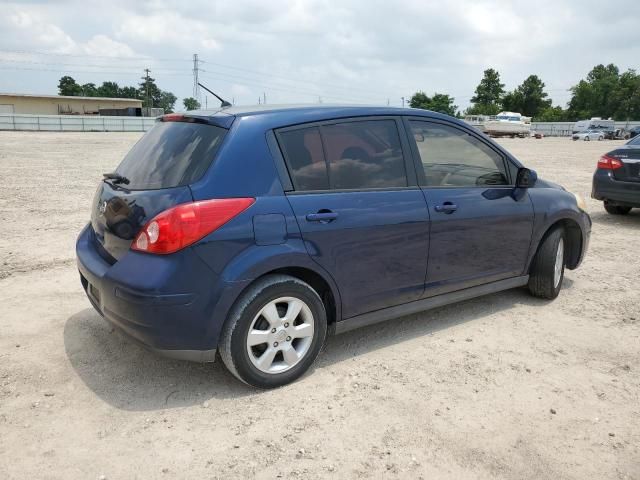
[{"x": 552, "y": 206}]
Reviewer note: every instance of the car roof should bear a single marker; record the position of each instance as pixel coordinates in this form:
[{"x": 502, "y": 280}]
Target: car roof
[{"x": 280, "y": 115}]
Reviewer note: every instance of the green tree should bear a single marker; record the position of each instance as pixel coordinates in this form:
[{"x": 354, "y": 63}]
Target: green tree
[
  {"x": 443, "y": 103},
  {"x": 553, "y": 114},
  {"x": 109, "y": 90},
  {"x": 488, "y": 94},
  {"x": 166, "y": 101},
  {"x": 191, "y": 103},
  {"x": 420, "y": 100},
  {"x": 129, "y": 92},
  {"x": 513, "y": 101},
  {"x": 440, "y": 102},
  {"x": 149, "y": 92},
  {"x": 595, "y": 95},
  {"x": 89, "y": 90},
  {"x": 67, "y": 86},
  {"x": 529, "y": 98},
  {"x": 626, "y": 98}
]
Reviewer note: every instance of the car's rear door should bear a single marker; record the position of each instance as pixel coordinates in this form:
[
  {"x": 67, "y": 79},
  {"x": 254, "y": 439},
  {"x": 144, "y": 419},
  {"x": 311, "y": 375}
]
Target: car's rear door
[
  {"x": 359, "y": 208},
  {"x": 479, "y": 232}
]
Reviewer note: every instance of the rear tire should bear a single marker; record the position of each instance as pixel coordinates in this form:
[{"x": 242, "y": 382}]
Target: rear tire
[
  {"x": 547, "y": 269},
  {"x": 615, "y": 209},
  {"x": 274, "y": 332},
  {"x": 587, "y": 139}
]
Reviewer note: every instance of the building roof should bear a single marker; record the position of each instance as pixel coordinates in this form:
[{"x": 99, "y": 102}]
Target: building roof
[{"x": 69, "y": 97}]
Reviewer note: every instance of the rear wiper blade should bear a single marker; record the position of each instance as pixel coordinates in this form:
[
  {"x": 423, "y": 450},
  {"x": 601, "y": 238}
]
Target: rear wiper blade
[{"x": 115, "y": 178}]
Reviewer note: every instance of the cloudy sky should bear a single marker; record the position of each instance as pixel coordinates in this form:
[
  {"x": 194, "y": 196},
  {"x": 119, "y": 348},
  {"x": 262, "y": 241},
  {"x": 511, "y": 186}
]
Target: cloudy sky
[{"x": 360, "y": 51}]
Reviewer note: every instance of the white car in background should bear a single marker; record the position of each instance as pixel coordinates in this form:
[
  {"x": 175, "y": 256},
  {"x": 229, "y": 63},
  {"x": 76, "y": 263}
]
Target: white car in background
[{"x": 588, "y": 135}]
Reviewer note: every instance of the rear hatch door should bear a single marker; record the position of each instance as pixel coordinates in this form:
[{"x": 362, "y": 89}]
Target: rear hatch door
[{"x": 155, "y": 175}]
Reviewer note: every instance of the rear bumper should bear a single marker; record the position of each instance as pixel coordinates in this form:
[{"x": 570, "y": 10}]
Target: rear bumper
[
  {"x": 607, "y": 188},
  {"x": 173, "y": 304}
]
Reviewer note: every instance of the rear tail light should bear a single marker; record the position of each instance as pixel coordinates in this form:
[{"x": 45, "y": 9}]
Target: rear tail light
[
  {"x": 609, "y": 163},
  {"x": 185, "y": 224}
]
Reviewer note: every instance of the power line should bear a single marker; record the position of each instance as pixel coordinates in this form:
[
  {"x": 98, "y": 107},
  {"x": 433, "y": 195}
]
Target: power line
[
  {"x": 288, "y": 78},
  {"x": 98, "y": 65},
  {"x": 80, "y": 55},
  {"x": 291, "y": 86},
  {"x": 110, "y": 72},
  {"x": 284, "y": 89}
]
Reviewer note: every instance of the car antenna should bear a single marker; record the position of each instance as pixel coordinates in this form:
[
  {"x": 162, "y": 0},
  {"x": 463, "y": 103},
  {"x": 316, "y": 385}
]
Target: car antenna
[{"x": 223, "y": 103}]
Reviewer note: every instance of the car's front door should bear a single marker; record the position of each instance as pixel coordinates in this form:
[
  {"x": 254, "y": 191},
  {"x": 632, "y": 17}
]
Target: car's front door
[
  {"x": 479, "y": 232},
  {"x": 361, "y": 213}
]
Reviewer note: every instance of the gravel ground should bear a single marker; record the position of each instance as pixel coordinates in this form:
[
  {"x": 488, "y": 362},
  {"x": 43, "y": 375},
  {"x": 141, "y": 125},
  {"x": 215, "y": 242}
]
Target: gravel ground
[{"x": 505, "y": 386}]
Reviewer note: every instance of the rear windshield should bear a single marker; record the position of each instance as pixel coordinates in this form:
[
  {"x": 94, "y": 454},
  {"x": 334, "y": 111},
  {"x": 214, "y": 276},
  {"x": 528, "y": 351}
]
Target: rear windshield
[
  {"x": 171, "y": 154},
  {"x": 634, "y": 141}
]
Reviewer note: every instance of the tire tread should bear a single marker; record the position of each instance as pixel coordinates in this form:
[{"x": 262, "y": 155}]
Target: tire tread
[{"x": 542, "y": 268}]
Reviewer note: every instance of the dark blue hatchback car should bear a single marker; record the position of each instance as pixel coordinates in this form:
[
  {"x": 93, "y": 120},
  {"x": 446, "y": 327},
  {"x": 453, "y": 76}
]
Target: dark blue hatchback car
[{"x": 255, "y": 232}]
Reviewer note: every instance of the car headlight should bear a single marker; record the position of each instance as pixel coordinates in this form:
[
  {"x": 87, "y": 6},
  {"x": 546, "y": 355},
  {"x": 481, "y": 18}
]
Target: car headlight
[{"x": 582, "y": 205}]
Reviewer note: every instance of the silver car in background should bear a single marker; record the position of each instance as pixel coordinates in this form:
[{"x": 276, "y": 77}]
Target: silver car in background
[{"x": 588, "y": 135}]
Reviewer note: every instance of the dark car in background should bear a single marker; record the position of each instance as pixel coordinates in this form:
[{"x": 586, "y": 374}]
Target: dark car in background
[
  {"x": 616, "y": 180},
  {"x": 254, "y": 232},
  {"x": 634, "y": 132}
]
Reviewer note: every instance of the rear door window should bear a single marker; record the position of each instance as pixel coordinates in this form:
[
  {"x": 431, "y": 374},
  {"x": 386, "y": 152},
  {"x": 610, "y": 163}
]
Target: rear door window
[
  {"x": 352, "y": 155},
  {"x": 363, "y": 155},
  {"x": 171, "y": 154}
]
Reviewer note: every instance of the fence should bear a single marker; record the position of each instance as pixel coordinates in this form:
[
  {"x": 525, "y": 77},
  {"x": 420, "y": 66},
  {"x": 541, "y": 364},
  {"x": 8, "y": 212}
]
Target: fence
[
  {"x": 85, "y": 123},
  {"x": 564, "y": 129},
  {"x": 75, "y": 123}
]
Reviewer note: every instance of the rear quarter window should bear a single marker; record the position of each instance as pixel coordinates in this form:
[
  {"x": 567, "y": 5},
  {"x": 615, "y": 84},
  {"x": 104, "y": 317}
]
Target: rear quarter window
[{"x": 171, "y": 154}]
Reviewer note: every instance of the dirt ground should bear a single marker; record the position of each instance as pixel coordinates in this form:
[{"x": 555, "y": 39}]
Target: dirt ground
[{"x": 505, "y": 386}]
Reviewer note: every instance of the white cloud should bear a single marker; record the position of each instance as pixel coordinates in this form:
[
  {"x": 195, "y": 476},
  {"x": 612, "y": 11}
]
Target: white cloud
[{"x": 355, "y": 51}]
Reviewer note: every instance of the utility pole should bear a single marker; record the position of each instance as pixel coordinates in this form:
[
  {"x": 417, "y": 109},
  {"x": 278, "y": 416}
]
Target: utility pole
[
  {"x": 146, "y": 86},
  {"x": 196, "y": 87},
  {"x": 402, "y": 102},
  {"x": 264, "y": 98}
]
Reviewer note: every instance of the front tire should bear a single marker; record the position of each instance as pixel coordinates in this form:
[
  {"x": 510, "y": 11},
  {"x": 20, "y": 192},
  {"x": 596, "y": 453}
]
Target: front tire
[
  {"x": 615, "y": 209},
  {"x": 274, "y": 332},
  {"x": 587, "y": 139},
  {"x": 547, "y": 269}
]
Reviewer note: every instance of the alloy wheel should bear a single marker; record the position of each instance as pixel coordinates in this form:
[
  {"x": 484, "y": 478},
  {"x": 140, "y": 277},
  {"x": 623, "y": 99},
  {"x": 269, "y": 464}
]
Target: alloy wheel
[{"x": 280, "y": 335}]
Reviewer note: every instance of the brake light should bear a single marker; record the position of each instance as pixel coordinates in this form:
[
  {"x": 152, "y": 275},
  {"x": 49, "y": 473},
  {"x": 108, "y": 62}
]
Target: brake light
[
  {"x": 173, "y": 117},
  {"x": 608, "y": 163},
  {"x": 185, "y": 224}
]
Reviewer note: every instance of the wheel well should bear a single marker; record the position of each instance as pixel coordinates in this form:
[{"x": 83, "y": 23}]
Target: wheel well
[
  {"x": 317, "y": 283},
  {"x": 573, "y": 239}
]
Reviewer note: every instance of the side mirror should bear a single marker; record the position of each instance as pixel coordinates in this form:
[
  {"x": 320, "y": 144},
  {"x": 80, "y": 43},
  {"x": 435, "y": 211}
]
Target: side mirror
[{"x": 526, "y": 178}]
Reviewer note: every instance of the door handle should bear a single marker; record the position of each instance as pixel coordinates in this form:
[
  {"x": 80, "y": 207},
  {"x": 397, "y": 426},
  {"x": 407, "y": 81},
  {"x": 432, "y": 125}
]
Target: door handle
[
  {"x": 446, "y": 207},
  {"x": 323, "y": 216}
]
